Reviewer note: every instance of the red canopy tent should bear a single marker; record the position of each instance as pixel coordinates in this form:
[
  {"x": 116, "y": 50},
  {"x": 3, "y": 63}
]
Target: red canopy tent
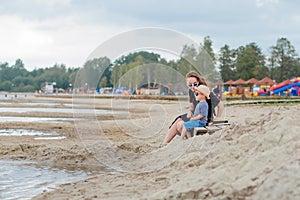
[
  {"x": 228, "y": 82},
  {"x": 253, "y": 81},
  {"x": 266, "y": 81},
  {"x": 239, "y": 82},
  {"x": 239, "y": 88}
]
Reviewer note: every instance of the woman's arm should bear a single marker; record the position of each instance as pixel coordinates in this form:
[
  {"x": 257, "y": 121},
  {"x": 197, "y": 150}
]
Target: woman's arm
[{"x": 191, "y": 110}]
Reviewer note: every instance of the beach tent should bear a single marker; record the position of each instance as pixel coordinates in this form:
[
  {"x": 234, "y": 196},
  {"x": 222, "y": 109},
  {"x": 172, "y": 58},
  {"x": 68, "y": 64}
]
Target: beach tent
[
  {"x": 239, "y": 82},
  {"x": 264, "y": 84},
  {"x": 252, "y": 81},
  {"x": 228, "y": 82},
  {"x": 239, "y": 89},
  {"x": 266, "y": 81}
]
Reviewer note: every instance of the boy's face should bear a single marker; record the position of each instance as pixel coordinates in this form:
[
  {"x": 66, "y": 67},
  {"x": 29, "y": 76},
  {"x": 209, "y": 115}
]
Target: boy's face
[{"x": 199, "y": 95}]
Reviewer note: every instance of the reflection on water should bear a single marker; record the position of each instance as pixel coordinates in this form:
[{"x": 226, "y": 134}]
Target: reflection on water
[
  {"x": 51, "y": 138},
  {"x": 40, "y": 104},
  {"x": 62, "y": 110},
  {"x": 41, "y": 135},
  {"x": 25, "y": 132},
  {"x": 22, "y": 180},
  {"x": 35, "y": 119}
]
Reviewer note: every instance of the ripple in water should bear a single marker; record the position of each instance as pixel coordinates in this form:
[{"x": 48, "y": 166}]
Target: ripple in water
[{"x": 22, "y": 180}]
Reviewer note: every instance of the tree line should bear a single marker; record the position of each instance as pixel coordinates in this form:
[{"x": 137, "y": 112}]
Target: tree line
[
  {"x": 16, "y": 78},
  {"x": 245, "y": 62}
]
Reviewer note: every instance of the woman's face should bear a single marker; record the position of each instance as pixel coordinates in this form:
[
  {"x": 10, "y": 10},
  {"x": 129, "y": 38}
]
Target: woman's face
[{"x": 192, "y": 83}]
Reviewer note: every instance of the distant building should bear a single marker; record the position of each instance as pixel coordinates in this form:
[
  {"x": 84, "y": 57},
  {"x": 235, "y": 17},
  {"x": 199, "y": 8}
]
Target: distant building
[{"x": 49, "y": 89}]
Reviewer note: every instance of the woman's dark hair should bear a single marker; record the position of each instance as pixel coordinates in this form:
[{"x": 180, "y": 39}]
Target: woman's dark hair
[{"x": 196, "y": 75}]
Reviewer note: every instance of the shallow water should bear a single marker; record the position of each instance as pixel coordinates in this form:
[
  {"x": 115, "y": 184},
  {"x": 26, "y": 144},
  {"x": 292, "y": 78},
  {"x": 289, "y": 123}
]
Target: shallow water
[
  {"x": 40, "y": 104},
  {"x": 9, "y": 96},
  {"x": 39, "y": 135},
  {"x": 51, "y": 138},
  {"x": 24, "y": 180},
  {"x": 61, "y": 110},
  {"x": 36, "y": 119},
  {"x": 25, "y": 132}
]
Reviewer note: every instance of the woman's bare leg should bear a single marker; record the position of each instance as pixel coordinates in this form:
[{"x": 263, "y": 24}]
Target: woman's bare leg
[
  {"x": 183, "y": 133},
  {"x": 173, "y": 131}
]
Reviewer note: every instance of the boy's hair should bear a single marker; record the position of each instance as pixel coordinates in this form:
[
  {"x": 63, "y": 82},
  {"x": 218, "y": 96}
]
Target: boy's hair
[{"x": 197, "y": 76}]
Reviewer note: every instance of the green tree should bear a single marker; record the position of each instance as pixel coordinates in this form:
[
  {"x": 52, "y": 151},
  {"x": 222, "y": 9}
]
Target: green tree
[
  {"x": 127, "y": 74},
  {"x": 207, "y": 46},
  {"x": 148, "y": 57},
  {"x": 284, "y": 63},
  {"x": 4, "y": 67},
  {"x": 71, "y": 76},
  {"x": 202, "y": 60},
  {"x": 187, "y": 60},
  {"x": 251, "y": 62},
  {"x": 16, "y": 78},
  {"x": 6, "y": 86},
  {"x": 11, "y": 76},
  {"x": 227, "y": 63},
  {"x": 206, "y": 61},
  {"x": 92, "y": 73},
  {"x": 19, "y": 68},
  {"x": 135, "y": 69}
]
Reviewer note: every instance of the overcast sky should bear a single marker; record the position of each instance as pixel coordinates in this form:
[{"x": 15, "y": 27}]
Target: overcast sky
[{"x": 45, "y": 32}]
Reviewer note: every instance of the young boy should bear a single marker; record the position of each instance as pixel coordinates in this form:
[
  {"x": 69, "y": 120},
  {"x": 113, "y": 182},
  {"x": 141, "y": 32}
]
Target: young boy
[{"x": 199, "y": 118}]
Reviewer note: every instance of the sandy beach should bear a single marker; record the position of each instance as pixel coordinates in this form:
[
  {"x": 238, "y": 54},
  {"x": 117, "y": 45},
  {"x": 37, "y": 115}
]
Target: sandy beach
[{"x": 257, "y": 156}]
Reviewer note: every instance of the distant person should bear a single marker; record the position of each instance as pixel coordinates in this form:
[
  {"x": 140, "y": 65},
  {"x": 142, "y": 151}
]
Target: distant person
[
  {"x": 199, "y": 118},
  {"x": 243, "y": 95},
  {"x": 217, "y": 91}
]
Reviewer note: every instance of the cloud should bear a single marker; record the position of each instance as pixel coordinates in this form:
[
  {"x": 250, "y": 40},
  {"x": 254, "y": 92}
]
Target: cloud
[
  {"x": 20, "y": 37},
  {"x": 261, "y": 3},
  {"x": 43, "y": 33},
  {"x": 53, "y": 2},
  {"x": 44, "y": 43}
]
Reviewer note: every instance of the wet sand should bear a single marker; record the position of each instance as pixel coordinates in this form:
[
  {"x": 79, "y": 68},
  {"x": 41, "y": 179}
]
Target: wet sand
[{"x": 256, "y": 157}]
